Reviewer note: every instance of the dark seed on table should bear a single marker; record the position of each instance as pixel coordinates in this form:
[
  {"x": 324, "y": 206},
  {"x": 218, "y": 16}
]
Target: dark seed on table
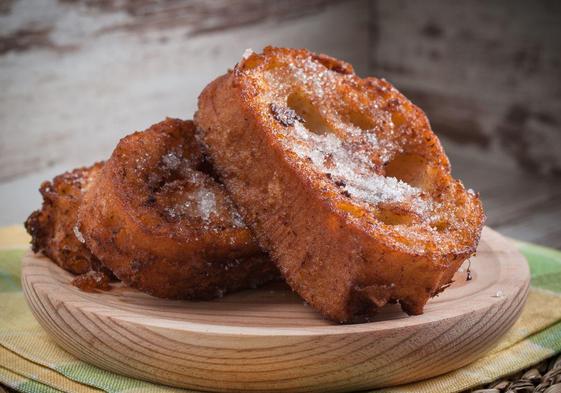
[
  {"x": 532, "y": 375},
  {"x": 553, "y": 375},
  {"x": 521, "y": 387}
]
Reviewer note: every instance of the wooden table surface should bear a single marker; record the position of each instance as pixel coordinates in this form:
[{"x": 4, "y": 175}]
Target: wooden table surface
[{"x": 518, "y": 204}]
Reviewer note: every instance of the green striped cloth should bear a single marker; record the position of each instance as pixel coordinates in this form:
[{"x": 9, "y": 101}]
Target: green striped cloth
[{"x": 31, "y": 362}]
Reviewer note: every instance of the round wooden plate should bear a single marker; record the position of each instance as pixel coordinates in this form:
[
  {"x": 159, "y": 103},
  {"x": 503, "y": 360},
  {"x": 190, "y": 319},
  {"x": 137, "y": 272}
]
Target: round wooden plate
[{"x": 269, "y": 340}]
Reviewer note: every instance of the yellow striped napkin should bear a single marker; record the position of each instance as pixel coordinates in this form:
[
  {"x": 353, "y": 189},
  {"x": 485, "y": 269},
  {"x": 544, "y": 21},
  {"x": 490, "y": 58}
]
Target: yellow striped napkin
[{"x": 31, "y": 362}]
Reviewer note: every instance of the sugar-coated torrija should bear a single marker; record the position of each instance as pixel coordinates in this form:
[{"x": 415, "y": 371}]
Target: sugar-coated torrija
[{"x": 341, "y": 179}]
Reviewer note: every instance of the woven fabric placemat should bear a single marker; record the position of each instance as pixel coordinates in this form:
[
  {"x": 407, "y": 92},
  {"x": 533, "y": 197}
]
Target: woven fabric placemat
[{"x": 31, "y": 362}]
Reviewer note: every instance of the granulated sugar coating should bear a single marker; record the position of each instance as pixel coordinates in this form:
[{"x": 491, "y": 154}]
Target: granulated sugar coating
[
  {"x": 351, "y": 171},
  {"x": 344, "y": 147},
  {"x": 185, "y": 196},
  {"x": 192, "y": 199},
  {"x": 162, "y": 224},
  {"x": 342, "y": 180}
]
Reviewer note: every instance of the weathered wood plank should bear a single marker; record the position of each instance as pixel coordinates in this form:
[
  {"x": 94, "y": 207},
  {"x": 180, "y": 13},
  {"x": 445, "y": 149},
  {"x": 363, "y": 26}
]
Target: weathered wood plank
[
  {"x": 519, "y": 204},
  {"x": 67, "y": 103},
  {"x": 73, "y": 77},
  {"x": 545, "y": 224},
  {"x": 486, "y": 72}
]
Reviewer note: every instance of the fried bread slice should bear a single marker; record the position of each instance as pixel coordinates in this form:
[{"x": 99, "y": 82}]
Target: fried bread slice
[
  {"x": 163, "y": 225},
  {"x": 342, "y": 180},
  {"x": 53, "y": 228}
]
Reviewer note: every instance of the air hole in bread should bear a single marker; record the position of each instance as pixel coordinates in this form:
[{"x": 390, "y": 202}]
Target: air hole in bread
[
  {"x": 441, "y": 225},
  {"x": 360, "y": 120},
  {"x": 398, "y": 119},
  {"x": 391, "y": 215},
  {"x": 304, "y": 107},
  {"x": 409, "y": 168}
]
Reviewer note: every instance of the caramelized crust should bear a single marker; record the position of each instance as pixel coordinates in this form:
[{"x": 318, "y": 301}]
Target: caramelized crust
[
  {"x": 52, "y": 228},
  {"x": 162, "y": 225},
  {"x": 342, "y": 180}
]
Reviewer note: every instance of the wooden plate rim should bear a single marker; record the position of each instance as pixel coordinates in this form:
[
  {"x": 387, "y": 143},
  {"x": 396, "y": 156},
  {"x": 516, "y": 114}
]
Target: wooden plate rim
[{"x": 514, "y": 272}]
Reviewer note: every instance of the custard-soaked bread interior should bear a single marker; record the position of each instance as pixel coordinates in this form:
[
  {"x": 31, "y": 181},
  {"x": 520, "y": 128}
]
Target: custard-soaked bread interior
[
  {"x": 53, "y": 228},
  {"x": 342, "y": 180},
  {"x": 163, "y": 225}
]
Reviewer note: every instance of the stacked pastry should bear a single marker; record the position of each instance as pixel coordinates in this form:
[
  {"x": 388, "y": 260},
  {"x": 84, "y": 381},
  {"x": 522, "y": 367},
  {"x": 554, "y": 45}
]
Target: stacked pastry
[{"x": 293, "y": 164}]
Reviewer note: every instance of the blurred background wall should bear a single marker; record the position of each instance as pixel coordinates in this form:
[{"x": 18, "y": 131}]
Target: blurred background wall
[
  {"x": 488, "y": 73},
  {"x": 76, "y": 75}
]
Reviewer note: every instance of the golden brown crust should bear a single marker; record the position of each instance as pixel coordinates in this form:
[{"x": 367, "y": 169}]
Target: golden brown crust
[
  {"x": 92, "y": 281},
  {"x": 165, "y": 227},
  {"x": 342, "y": 180},
  {"x": 52, "y": 228}
]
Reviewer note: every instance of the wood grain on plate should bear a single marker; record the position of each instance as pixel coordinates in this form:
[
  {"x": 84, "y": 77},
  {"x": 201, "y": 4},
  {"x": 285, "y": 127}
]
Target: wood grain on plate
[{"x": 269, "y": 340}]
